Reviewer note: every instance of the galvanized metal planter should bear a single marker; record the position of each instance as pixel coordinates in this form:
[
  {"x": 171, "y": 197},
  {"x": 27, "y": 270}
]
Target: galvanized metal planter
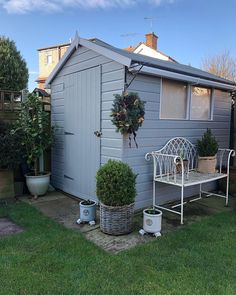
[
  {"x": 116, "y": 220},
  {"x": 87, "y": 212},
  {"x": 152, "y": 222}
]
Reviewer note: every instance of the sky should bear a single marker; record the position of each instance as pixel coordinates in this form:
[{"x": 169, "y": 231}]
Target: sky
[{"x": 188, "y": 30}]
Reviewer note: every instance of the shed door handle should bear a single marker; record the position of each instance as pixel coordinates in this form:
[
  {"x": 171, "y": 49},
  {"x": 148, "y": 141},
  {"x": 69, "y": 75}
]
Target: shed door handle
[
  {"x": 68, "y": 133},
  {"x": 98, "y": 133},
  {"x": 68, "y": 177}
]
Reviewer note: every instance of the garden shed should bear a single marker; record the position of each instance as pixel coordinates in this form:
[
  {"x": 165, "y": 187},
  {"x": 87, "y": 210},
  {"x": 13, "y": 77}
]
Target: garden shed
[{"x": 180, "y": 101}]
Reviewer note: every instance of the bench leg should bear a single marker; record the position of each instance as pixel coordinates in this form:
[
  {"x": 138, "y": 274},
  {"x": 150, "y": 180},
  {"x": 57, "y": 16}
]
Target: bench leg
[
  {"x": 227, "y": 191},
  {"x": 182, "y": 205},
  {"x": 154, "y": 194},
  {"x": 200, "y": 192}
]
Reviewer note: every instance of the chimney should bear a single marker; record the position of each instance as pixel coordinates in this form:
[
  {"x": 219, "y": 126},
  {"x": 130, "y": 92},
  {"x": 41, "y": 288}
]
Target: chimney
[{"x": 151, "y": 40}]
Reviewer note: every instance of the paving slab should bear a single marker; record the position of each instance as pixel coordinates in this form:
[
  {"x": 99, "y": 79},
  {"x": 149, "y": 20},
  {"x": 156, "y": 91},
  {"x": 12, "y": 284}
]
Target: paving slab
[
  {"x": 65, "y": 210},
  {"x": 7, "y": 227}
]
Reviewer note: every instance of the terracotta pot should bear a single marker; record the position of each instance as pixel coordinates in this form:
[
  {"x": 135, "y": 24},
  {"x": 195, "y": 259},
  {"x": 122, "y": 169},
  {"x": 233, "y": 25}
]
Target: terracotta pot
[
  {"x": 179, "y": 167},
  {"x": 207, "y": 164},
  {"x": 6, "y": 184}
]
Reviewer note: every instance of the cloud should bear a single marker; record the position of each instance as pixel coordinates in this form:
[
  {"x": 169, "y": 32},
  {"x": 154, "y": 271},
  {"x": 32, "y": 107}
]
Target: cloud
[
  {"x": 26, "y": 6},
  {"x": 160, "y": 2}
]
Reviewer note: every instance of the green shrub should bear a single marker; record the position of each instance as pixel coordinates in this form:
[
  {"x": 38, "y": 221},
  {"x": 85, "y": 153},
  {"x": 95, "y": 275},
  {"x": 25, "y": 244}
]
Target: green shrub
[
  {"x": 208, "y": 145},
  {"x": 116, "y": 184},
  {"x": 11, "y": 150}
]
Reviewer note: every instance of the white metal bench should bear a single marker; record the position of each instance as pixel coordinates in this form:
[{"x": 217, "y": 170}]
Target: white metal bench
[{"x": 165, "y": 170}]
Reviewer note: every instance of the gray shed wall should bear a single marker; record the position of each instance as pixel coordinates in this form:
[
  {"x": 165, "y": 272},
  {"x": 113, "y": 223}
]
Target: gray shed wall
[
  {"x": 155, "y": 132},
  {"x": 151, "y": 136},
  {"x": 112, "y": 79}
]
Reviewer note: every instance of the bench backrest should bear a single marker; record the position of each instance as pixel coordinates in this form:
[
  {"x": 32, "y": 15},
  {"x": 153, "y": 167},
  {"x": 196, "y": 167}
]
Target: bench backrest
[
  {"x": 165, "y": 159},
  {"x": 181, "y": 147}
]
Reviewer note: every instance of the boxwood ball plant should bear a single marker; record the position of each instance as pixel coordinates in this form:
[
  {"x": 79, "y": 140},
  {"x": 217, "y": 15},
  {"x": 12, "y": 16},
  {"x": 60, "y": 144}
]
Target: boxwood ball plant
[{"x": 116, "y": 184}]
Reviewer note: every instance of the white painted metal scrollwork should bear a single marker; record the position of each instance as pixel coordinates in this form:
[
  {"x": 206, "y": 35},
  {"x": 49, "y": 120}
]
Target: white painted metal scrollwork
[
  {"x": 176, "y": 164},
  {"x": 172, "y": 154}
]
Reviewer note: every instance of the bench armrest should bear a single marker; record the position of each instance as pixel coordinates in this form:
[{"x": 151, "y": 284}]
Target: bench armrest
[
  {"x": 166, "y": 165},
  {"x": 223, "y": 158}
]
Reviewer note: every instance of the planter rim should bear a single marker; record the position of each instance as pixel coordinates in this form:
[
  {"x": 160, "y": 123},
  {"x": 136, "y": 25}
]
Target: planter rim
[
  {"x": 91, "y": 205},
  {"x": 116, "y": 207},
  {"x": 207, "y": 157},
  {"x": 37, "y": 176},
  {"x": 151, "y": 215}
]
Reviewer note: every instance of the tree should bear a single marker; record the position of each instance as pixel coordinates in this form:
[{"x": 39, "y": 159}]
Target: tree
[
  {"x": 13, "y": 70},
  {"x": 33, "y": 126},
  {"x": 223, "y": 65}
]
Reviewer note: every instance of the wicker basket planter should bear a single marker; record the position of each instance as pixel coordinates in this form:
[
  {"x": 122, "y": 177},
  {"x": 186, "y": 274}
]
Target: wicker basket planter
[
  {"x": 207, "y": 164},
  {"x": 116, "y": 220}
]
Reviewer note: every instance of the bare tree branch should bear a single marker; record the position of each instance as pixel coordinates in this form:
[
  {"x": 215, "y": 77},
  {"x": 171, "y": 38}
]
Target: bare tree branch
[{"x": 223, "y": 65}]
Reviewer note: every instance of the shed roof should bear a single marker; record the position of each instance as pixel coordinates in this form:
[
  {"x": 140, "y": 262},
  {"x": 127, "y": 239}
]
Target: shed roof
[
  {"x": 129, "y": 58},
  {"x": 164, "y": 65}
]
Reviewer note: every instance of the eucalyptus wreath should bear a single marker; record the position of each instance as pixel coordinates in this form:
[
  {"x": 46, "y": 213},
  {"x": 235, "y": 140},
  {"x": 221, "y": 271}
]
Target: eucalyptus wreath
[{"x": 128, "y": 114}]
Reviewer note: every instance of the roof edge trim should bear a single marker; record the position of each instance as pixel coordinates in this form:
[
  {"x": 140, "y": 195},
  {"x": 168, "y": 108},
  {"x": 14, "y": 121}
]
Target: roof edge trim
[
  {"x": 126, "y": 61},
  {"x": 195, "y": 80},
  {"x": 61, "y": 63}
]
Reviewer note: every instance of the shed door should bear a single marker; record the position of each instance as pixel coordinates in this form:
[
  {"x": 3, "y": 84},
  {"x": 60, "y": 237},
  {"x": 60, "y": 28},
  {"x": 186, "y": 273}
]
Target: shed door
[{"x": 82, "y": 119}]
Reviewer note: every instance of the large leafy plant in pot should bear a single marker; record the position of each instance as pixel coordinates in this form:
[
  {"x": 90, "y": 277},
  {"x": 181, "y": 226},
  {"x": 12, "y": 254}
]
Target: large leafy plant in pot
[
  {"x": 11, "y": 154},
  {"x": 116, "y": 191},
  {"x": 36, "y": 136},
  {"x": 207, "y": 148}
]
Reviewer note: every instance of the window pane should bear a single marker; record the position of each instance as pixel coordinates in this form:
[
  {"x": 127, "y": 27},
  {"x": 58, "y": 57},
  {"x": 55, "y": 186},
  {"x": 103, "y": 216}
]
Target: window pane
[
  {"x": 201, "y": 103},
  {"x": 49, "y": 59},
  {"x": 173, "y": 100}
]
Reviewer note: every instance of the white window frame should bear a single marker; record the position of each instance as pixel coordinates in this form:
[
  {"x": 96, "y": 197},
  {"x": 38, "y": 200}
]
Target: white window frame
[
  {"x": 48, "y": 53},
  {"x": 189, "y": 102}
]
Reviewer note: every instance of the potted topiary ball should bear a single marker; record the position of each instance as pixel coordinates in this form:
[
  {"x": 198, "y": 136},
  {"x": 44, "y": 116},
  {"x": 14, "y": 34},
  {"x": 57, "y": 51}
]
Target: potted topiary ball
[
  {"x": 116, "y": 191},
  {"x": 207, "y": 149}
]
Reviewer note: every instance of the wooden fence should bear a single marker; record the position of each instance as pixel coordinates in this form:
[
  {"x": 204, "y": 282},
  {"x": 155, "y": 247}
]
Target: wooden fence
[{"x": 9, "y": 105}]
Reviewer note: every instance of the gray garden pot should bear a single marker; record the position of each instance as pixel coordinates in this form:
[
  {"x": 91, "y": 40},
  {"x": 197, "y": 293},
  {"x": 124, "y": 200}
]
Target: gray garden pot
[
  {"x": 87, "y": 212},
  {"x": 37, "y": 185}
]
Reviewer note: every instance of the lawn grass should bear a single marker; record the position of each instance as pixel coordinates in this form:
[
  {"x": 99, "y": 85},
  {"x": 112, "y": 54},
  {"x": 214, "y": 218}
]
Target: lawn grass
[{"x": 49, "y": 259}]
